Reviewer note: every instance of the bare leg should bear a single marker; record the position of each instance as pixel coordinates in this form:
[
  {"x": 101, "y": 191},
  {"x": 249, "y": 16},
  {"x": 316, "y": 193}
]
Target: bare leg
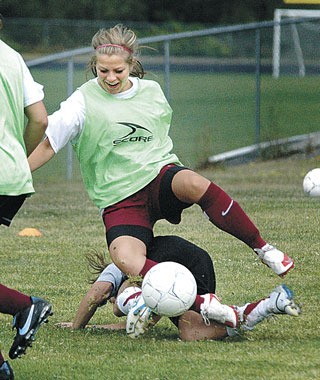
[
  {"x": 226, "y": 214},
  {"x": 128, "y": 254},
  {"x": 192, "y": 327}
]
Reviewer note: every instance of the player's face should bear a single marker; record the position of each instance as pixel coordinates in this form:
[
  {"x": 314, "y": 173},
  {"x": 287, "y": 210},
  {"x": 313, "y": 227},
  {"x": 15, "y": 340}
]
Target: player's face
[{"x": 113, "y": 73}]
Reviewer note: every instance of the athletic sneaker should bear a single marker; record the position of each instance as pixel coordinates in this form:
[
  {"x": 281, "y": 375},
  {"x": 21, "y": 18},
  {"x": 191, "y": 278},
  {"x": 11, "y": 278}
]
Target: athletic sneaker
[
  {"x": 128, "y": 298},
  {"x": 139, "y": 318},
  {"x": 280, "y": 301},
  {"x": 278, "y": 261},
  {"x": 6, "y": 372},
  {"x": 213, "y": 309},
  {"x": 27, "y": 323}
]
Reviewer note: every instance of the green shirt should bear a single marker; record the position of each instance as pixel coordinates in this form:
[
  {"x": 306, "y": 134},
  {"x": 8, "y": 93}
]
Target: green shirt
[
  {"x": 124, "y": 142},
  {"x": 15, "y": 176}
]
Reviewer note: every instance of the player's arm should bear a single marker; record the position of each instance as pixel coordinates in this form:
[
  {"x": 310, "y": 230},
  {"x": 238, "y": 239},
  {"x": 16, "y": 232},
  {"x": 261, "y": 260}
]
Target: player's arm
[
  {"x": 36, "y": 125},
  {"x": 106, "y": 285},
  {"x": 64, "y": 125},
  {"x": 34, "y": 109},
  {"x": 96, "y": 296},
  {"x": 41, "y": 154}
]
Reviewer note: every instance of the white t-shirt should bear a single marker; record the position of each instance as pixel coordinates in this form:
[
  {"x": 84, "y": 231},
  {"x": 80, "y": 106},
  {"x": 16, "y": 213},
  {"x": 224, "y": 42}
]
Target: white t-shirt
[
  {"x": 32, "y": 91},
  {"x": 113, "y": 275},
  {"x": 66, "y": 124}
]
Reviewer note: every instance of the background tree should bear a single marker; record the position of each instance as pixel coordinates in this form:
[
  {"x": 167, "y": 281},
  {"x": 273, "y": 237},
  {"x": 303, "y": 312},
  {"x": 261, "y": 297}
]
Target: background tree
[{"x": 188, "y": 11}]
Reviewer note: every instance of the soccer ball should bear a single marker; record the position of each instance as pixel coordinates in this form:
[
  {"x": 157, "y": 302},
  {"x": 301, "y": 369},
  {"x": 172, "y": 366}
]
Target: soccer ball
[
  {"x": 311, "y": 183},
  {"x": 169, "y": 289}
]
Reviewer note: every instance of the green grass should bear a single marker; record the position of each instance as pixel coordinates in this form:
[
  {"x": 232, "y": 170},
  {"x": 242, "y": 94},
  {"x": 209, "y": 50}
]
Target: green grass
[{"x": 54, "y": 266}]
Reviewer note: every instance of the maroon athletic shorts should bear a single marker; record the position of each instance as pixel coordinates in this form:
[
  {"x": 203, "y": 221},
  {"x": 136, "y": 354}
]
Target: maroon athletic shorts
[{"x": 136, "y": 215}]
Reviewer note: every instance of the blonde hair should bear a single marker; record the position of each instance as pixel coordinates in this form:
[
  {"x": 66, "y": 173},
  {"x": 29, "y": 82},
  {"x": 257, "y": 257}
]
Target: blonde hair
[
  {"x": 117, "y": 40},
  {"x": 97, "y": 263}
]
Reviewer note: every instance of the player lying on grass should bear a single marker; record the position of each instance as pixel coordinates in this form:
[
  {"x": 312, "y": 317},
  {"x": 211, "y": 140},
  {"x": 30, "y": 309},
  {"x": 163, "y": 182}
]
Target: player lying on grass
[
  {"x": 163, "y": 248},
  {"x": 127, "y": 299}
]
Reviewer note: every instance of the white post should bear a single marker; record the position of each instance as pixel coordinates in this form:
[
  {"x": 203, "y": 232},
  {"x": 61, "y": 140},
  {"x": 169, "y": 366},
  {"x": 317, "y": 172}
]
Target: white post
[
  {"x": 276, "y": 43},
  {"x": 294, "y": 13}
]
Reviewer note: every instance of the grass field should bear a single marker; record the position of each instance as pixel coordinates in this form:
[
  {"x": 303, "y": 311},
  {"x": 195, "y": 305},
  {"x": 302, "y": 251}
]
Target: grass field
[
  {"x": 214, "y": 113},
  {"x": 54, "y": 266}
]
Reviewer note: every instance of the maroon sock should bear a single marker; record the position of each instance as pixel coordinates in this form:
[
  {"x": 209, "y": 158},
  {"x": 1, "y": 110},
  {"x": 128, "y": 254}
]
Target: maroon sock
[
  {"x": 226, "y": 214},
  {"x": 147, "y": 266},
  {"x": 250, "y": 307},
  {"x": 12, "y": 301},
  {"x": 196, "y": 305}
]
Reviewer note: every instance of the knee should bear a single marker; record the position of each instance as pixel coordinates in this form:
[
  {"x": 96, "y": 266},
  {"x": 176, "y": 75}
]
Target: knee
[
  {"x": 189, "y": 186},
  {"x": 128, "y": 254}
]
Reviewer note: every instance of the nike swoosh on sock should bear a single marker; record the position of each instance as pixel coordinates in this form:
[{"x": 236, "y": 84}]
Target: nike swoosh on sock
[{"x": 224, "y": 213}]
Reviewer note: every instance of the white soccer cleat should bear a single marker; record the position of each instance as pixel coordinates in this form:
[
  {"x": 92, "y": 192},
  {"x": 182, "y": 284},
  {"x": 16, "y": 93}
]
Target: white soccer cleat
[
  {"x": 280, "y": 301},
  {"x": 128, "y": 298},
  {"x": 213, "y": 309},
  {"x": 278, "y": 261},
  {"x": 139, "y": 319}
]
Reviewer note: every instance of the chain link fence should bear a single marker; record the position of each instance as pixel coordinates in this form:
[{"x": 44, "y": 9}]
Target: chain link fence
[{"x": 218, "y": 80}]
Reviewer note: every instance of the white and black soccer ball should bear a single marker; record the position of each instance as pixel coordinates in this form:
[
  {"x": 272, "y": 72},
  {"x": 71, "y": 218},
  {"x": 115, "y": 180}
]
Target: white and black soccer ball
[
  {"x": 169, "y": 289},
  {"x": 311, "y": 183}
]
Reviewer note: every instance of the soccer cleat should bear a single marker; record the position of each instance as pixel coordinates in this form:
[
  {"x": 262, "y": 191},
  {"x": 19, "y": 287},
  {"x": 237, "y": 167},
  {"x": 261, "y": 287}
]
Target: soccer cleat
[
  {"x": 128, "y": 298},
  {"x": 6, "y": 372},
  {"x": 27, "y": 323},
  {"x": 280, "y": 301},
  {"x": 139, "y": 319},
  {"x": 212, "y": 308},
  {"x": 278, "y": 261}
]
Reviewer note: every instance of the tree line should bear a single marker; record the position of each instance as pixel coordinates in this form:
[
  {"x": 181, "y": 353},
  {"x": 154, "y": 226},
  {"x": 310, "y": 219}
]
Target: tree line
[{"x": 186, "y": 11}]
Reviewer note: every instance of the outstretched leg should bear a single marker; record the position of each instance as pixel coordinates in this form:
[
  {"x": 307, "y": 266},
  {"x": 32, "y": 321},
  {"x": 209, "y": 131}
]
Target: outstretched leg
[
  {"x": 280, "y": 301},
  {"x": 225, "y": 213}
]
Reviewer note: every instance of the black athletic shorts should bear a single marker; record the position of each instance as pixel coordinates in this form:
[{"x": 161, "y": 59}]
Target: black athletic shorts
[
  {"x": 9, "y": 206},
  {"x": 196, "y": 259}
]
